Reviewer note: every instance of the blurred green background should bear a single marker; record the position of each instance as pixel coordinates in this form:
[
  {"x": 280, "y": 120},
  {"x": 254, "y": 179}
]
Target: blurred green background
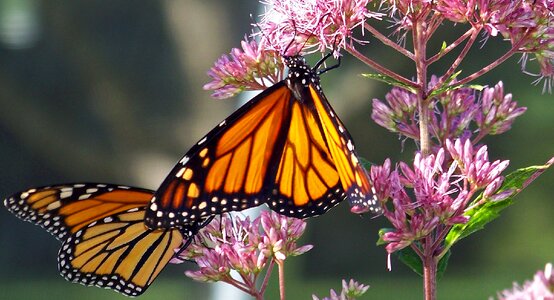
[{"x": 97, "y": 91}]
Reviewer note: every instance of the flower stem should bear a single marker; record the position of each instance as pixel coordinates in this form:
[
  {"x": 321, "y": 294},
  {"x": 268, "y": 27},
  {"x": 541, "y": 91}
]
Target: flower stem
[
  {"x": 420, "y": 49},
  {"x": 281, "y": 267},
  {"x": 429, "y": 276},
  {"x": 459, "y": 59},
  {"x": 379, "y": 68},
  {"x": 385, "y": 40},
  {"x": 498, "y": 61},
  {"x": 452, "y": 46},
  {"x": 266, "y": 277}
]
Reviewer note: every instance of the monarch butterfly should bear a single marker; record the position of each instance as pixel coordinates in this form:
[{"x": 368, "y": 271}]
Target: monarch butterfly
[
  {"x": 104, "y": 239},
  {"x": 286, "y": 147}
]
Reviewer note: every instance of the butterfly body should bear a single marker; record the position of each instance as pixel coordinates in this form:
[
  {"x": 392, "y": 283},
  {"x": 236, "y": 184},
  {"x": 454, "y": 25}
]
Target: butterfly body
[
  {"x": 104, "y": 239},
  {"x": 285, "y": 148}
]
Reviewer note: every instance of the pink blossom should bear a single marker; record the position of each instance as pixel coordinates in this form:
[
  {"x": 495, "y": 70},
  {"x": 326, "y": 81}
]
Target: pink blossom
[
  {"x": 249, "y": 68},
  {"x": 498, "y": 111},
  {"x": 541, "y": 287},
  {"x": 398, "y": 114},
  {"x": 458, "y": 11},
  {"x": 350, "y": 290},
  {"x": 475, "y": 166},
  {"x": 441, "y": 190},
  {"x": 460, "y": 109},
  {"x": 247, "y": 247},
  {"x": 289, "y": 25}
]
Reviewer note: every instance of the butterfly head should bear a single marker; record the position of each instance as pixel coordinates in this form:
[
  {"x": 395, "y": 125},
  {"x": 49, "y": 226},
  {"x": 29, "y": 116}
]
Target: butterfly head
[{"x": 300, "y": 76}]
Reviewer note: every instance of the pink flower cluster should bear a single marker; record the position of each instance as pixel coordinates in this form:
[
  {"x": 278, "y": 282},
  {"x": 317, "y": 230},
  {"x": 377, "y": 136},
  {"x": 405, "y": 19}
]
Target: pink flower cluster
[
  {"x": 350, "y": 290},
  {"x": 527, "y": 24},
  {"x": 458, "y": 113},
  {"x": 541, "y": 287},
  {"x": 292, "y": 27},
  {"x": 432, "y": 195},
  {"x": 245, "y": 246},
  {"x": 289, "y": 25},
  {"x": 251, "y": 68}
]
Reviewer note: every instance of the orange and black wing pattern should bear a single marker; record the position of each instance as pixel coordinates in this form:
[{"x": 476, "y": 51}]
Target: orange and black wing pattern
[
  {"x": 319, "y": 166},
  {"x": 104, "y": 239},
  {"x": 228, "y": 169},
  {"x": 285, "y": 147}
]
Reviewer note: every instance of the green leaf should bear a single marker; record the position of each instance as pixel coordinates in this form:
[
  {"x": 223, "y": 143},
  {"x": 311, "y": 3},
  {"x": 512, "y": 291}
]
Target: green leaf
[
  {"x": 389, "y": 80},
  {"x": 382, "y": 232},
  {"x": 443, "y": 47},
  {"x": 483, "y": 214},
  {"x": 365, "y": 163},
  {"x": 443, "y": 263},
  {"x": 410, "y": 258},
  {"x": 447, "y": 87}
]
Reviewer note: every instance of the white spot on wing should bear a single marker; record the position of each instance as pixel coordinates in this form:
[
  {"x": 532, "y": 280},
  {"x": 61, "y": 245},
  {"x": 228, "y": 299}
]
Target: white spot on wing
[
  {"x": 66, "y": 194},
  {"x": 180, "y": 172}
]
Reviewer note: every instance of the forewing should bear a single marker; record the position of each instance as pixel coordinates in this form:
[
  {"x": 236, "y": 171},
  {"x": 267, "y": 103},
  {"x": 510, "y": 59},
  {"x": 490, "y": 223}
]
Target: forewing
[
  {"x": 354, "y": 178},
  {"x": 64, "y": 209},
  {"x": 230, "y": 168}
]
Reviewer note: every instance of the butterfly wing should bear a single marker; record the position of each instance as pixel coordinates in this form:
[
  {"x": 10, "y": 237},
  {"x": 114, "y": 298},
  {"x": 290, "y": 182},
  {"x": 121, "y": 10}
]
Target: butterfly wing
[
  {"x": 285, "y": 147},
  {"x": 118, "y": 252},
  {"x": 104, "y": 239},
  {"x": 353, "y": 177},
  {"x": 64, "y": 209},
  {"x": 229, "y": 169}
]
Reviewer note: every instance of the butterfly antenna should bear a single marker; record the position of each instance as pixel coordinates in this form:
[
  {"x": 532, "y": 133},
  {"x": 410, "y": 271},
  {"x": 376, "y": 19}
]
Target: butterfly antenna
[
  {"x": 267, "y": 37},
  {"x": 292, "y": 40},
  {"x": 324, "y": 58}
]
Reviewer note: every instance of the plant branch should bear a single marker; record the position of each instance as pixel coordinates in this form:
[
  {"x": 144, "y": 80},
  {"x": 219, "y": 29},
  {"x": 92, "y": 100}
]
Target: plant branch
[
  {"x": 451, "y": 47},
  {"x": 429, "y": 276},
  {"x": 458, "y": 60},
  {"x": 494, "y": 64},
  {"x": 239, "y": 285},
  {"x": 266, "y": 277},
  {"x": 379, "y": 67},
  {"x": 385, "y": 40},
  {"x": 418, "y": 36},
  {"x": 435, "y": 21}
]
